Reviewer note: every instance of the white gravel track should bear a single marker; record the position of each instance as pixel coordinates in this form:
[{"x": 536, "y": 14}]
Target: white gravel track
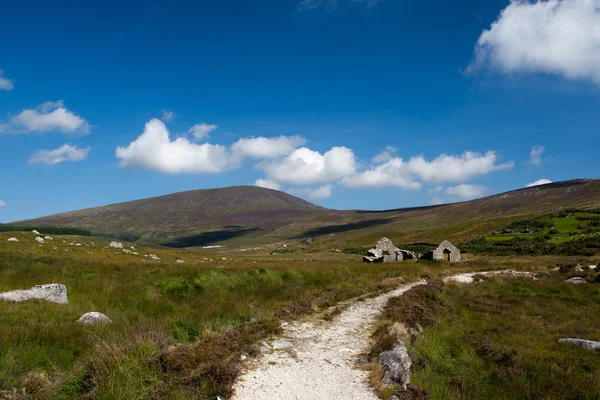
[{"x": 315, "y": 359}]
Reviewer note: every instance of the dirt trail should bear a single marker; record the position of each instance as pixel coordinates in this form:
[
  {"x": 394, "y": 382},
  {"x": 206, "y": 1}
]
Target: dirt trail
[{"x": 315, "y": 359}]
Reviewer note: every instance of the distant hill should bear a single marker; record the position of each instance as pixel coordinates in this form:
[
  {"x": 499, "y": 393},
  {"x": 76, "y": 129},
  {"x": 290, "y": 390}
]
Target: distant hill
[{"x": 248, "y": 214}]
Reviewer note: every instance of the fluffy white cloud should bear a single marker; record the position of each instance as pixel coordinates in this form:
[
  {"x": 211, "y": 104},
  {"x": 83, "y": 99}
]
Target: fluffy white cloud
[
  {"x": 66, "y": 152},
  {"x": 539, "y": 182},
  {"x": 201, "y": 131},
  {"x": 554, "y": 36},
  {"x": 394, "y": 173},
  {"x": 385, "y": 155},
  {"x": 262, "y": 147},
  {"x": 535, "y": 157},
  {"x": 449, "y": 168},
  {"x": 445, "y": 168},
  {"x": 3, "y": 204},
  {"x": 50, "y": 116},
  {"x": 466, "y": 191},
  {"x": 265, "y": 183},
  {"x": 305, "y": 166},
  {"x": 436, "y": 201},
  {"x": 321, "y": 192},
  {"x": 153, "y": 149},
  {"x": 5, "y": 83},
  {"x": 167, "y": 115}
]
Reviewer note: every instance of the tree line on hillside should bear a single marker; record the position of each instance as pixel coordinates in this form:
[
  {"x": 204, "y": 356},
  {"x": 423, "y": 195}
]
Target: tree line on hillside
[
  {"x": 588, "y": 246},
  {"x": 50, "y": 230}
]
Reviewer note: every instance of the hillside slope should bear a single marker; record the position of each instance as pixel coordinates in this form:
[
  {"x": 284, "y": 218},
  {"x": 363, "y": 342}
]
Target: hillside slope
[{"x": 247, "y": 214}]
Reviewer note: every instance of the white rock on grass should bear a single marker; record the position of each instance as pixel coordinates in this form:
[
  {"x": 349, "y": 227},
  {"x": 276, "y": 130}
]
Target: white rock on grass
[
  {"x": 586, "y": 344},
  {"x": 39, "y": 239},
  {"x": 468, "y": 278},
  {"x": 153, "y": 256},
  {"x": 36, "y": 232},
  {"x": 53, "y": 292},
  {"x": 13, "y": 239},
  {"x": 94, "y": 318},
  {"x": 116, "y": 245},
  {"x": 576, "y": 280},
  {"x": 126, "y": 251},
  {"x": 180, "y": 262},
  {"x": 48, "y": 238}
]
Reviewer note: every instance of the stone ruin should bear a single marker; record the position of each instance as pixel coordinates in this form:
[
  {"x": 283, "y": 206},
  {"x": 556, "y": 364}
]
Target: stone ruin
[{"x": 385, "y": 251}]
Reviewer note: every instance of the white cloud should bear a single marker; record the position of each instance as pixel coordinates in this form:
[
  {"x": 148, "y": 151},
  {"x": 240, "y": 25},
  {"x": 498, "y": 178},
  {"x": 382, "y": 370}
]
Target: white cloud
[
  {"x": 445, "y": 168},
  {"x": 66, "y": 152},
  {"x": 555, "y": 36},
  {"x": 321, "y": 192},
  {"x": 50, "y": 116},
  {"x": 3, "y": 204},
  {"x": 367, "y": 3},
  {"x": 5, "y": 83},
  {"x": 385, "y": 155},
  {"x": 154, "y": 150},
  {"x": 265, "y": 183},
  {"x": 394, "y": 173},
  {"x": 449, "y": 168},
  {"x": 262, "y": 147},
  {"x": 305, "y": 166},
  {"x": 539, "y": 182},
  {"x": 466, "y": 191},
  {"x": 535, "y": 157},
  {"x": 167, "y": 116},
  {"x": 201, "y": 131}
]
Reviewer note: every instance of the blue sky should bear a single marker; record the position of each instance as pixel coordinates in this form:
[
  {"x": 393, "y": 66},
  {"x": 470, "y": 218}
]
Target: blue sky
[{"x": 103, "y": 102}]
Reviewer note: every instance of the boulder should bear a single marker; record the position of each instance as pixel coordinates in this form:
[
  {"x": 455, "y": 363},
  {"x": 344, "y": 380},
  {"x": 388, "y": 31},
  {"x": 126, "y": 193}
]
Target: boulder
[
  {"x": 153, "y": 257},
  {"x": 48, "y": 238},
  {"x": 576, "y": 280},
  {"x": 94, "y": 318},
  {"x": 586, "y": 344},
  {"x": 39, "y": 239},
  {"x": 53, "y": 292},
  {"x": 13, "y": 239},
  {"x": 180, "y": 262},
  {"x": 116, "y": 245},
  {"x": 126, "y": 251},
  {"x": 396, "y": 365},
  {"x": 36, "y": 232}
]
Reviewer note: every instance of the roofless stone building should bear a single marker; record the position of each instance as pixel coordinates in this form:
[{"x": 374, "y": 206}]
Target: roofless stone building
[
  {"x": 385, "y": 251},
  {"x": 446, "y": 251}
]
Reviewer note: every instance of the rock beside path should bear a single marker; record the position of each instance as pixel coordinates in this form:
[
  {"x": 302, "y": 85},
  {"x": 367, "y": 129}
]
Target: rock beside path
[
  {"x": 396, "y": 365},
  {"x": 53, "y": 292},
  {"x": 94, "y": 318}
]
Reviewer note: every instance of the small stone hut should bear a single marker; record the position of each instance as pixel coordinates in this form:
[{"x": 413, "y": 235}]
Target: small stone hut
[
  {"x": 446, "y": 251},
  {"x": 385, "y": 251}
]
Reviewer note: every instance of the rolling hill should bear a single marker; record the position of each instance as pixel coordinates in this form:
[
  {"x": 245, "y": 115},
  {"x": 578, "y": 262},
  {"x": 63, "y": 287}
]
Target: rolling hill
[{"x": 253, "y": 215}]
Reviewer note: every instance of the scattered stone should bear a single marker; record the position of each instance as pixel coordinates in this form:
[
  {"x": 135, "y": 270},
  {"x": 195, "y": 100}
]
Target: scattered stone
[
  {"x": 36, "y": 232},
  {"x": 153, "y": 257},
  {"x": 77, "y": 244},
  {"x": 243, "y": 357},
  {"x": 94, "y": 318},
  {"x": 396, "y": 365},
  {"x": 180, "y": 262},
  {"x": 468, "y": 278},
  {"x": 576, "y": 280},
  {"x": 13, "y": 239},
  {"x": 116, "y": 245},
  {"x": 586, "y": 344},
  {"x": 53, "y": 292},
  {"x": 39, "y": 239},
  {"x": 126, "y": 251},
  {"x": 48, "y": 238}
]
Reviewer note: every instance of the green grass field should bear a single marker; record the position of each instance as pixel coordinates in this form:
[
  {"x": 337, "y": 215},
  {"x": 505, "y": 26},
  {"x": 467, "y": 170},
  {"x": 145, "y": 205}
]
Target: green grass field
[
  {"x": 178, "y": 329},
  {"x": 499, "y": 339}
]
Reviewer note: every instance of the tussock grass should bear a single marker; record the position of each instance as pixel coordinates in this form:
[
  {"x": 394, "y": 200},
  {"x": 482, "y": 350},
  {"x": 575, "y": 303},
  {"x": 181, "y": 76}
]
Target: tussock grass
[{"x": 498, "y": 339}]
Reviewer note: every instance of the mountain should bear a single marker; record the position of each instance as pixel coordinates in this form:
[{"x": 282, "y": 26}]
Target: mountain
[{"x": 249, "y": 214}]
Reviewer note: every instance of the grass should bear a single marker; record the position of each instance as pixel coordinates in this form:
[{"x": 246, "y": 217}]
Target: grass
[
  {"x": 178, "y": 330},
  {"x": 498, "y": 339}
]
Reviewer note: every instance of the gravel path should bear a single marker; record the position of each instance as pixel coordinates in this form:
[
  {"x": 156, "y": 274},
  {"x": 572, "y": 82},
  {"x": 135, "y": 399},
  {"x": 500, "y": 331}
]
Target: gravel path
[{"x": 316, "y": 360}]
